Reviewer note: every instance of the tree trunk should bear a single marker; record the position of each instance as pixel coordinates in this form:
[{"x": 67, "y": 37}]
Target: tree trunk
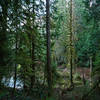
[
  {"x": 91, "y": 69},
  {"x": 49, "y": 78},
  {"x": 0, "y": 82},
  {"x": 33, "y": 65},
  {"x": 16, "y": 46},
  {"x": 33, "y": 52},
  {"x": 84, "y": 81},
  {"x": 15, "y": 78},
  {"x": 15, "y": 70},
  {"x": 71, "y": 45},
  {"x": 3, "y": 39}
]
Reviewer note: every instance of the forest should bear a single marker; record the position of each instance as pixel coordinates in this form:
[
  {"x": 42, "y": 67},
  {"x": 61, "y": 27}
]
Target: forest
[{"x": 49, "y": 49}]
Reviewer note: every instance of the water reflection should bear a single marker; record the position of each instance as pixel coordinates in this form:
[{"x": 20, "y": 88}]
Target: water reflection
[{"x": 10, "y": 82}]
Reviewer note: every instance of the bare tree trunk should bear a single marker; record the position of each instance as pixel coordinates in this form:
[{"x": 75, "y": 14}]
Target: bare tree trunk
[
  {"x": 71, "y": 45},
  {"x": 33, "y": 52},
  {"x": 3, "y": 38},
  {"x": 15, "y": 77},
  {"x": 16, "y": 47},
  {"x": 84, "y": 81},
  {"x": 15, "y": 70},
  {"x": 49, "y": 78},
  {"x": 1, "y": 81},
  {"x": 91, "y": 69},
  {"x": 24, "y": 80},
  {"x": 33, "y": 65}
]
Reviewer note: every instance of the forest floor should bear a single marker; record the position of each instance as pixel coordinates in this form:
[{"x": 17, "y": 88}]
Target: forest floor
[
  {"x": 77, "y": 93},
  {"x": 79, "y": 89},
  {"x": 64, "y": 83}
]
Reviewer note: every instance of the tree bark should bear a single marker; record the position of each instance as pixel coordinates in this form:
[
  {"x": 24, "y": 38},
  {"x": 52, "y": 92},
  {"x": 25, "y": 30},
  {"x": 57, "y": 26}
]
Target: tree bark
[
  {"x": 71, "y": 45},
  {"x": 49, "y": 78},
  {"x": 33, "y": 52},
  {"x": 91, "y": 69},
  {"x": 84, "y": 81},
  {"x": 3, "y": 39},
  {"x": 15, "y": 69},
  {"x": 33, "y": 65},
  {"x": 16, "y": 46}
]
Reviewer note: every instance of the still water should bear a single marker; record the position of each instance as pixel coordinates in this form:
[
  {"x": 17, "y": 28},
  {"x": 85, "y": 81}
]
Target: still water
[{"x": 10, "y": 83}]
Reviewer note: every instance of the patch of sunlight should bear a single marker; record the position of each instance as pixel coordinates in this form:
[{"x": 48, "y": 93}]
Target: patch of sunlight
[{"x": 19, "y": 66}]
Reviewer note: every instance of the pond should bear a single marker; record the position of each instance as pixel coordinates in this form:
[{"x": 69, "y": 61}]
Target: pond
[{"x": 10, "y": 83}]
